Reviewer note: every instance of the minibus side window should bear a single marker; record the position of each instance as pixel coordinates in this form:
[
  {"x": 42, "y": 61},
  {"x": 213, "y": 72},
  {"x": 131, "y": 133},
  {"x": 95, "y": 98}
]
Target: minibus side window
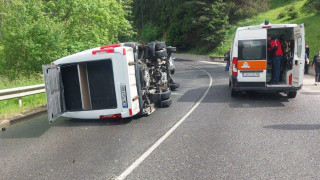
[
  {"x": 252, "y": 49},
  {"x": 299, "y": 47}
]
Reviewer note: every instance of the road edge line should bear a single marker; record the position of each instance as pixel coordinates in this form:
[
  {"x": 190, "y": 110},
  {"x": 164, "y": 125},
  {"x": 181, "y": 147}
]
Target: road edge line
[{"x": 137, "y": 162}]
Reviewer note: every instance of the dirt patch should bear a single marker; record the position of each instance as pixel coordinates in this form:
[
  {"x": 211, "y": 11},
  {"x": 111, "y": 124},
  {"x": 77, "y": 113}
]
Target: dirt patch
[{"x": 20, "y": 116}]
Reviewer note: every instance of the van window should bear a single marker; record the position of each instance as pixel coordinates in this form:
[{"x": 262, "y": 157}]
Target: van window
[
  {"x": 299, "y": 47},
  {"x": 252, "y": 49}
]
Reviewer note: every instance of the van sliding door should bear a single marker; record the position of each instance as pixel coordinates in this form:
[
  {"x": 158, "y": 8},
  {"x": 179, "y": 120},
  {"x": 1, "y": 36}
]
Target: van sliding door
[{"x": 299, "y": 56}]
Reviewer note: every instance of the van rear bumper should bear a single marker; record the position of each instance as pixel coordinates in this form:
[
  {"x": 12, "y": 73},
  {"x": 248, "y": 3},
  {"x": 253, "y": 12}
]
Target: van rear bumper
[
  {"x": 261, "y": 86},
  {"x": 279, "y": 88},
  {"x": 95, "y": 114}
]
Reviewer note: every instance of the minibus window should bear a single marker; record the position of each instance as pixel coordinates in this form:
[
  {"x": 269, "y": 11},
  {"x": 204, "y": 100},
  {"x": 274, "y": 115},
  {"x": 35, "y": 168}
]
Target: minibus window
[
  {"x": 299, "y": 47},
  {"x": 252, "y": 49}
]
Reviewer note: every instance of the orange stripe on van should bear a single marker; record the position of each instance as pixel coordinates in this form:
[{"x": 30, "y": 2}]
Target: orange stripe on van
[{"x": 252, "y": 65}]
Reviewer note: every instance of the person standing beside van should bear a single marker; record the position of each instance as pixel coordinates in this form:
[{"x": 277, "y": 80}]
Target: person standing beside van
[
  {"x": 275, "y": 53},
  {"x": 316, "y": 65},
  {"x": 306, "y": 64},
  {"x": 227, "y": 58}
]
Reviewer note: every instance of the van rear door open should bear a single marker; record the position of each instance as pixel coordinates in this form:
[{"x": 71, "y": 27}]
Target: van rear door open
[
  {"x": 299, "y": 56},
  {"x": 54, "y": 91},
  {"x": 252, "y": 57}
]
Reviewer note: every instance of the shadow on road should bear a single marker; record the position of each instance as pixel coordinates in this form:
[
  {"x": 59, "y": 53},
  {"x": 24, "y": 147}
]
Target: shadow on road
[
  {"x": 36, "y": 126},
  {"x": 221, "y": 94},
  {"x": 294, "y": 127},
  {"x": 310, "y": 93},
  {"x": 32, "y": 127},
  {"x": 70, "y": 122}
]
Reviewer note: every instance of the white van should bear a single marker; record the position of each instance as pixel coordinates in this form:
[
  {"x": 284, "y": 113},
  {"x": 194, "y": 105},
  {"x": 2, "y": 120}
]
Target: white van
[
  {"x": 114, "y": 81},
  {"x": 249, "y": 68}
]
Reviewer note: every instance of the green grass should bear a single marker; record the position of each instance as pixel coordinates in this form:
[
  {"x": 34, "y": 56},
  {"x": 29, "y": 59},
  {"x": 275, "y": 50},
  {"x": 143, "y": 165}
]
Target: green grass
[
  {"x": 20, "y": 81},
  {"x": 310, "y": 20},
  {"x": 10, "y": 108}
]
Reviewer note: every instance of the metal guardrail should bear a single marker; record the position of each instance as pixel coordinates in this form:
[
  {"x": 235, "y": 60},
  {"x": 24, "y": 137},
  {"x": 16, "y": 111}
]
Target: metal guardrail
[{"x": 21, "y": 92}]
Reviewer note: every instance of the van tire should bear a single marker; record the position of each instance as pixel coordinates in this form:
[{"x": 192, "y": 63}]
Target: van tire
[
  {"x": 233, "y": 93},
  {"x": 161, "y": 54},
  {"x": 171, "y": 49},
  {"x": 157, "y": 97},
  {"x": 166, "y": 94},
  {"x": 166, "y": 103},
  {"x": 160, "y": 46},
  {"x": 292, "y": 94},
  {"x": 174, "y": 86}
]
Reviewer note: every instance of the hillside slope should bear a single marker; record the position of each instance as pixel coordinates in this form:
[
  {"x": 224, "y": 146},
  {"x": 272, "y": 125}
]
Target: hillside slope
[{"x": 310, "y": 20}]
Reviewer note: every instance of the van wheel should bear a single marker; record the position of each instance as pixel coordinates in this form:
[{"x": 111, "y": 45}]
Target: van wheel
[
  {"x": 233, "y": 93},
  {"x": 161, "y": 54},
  {"x": 160, "y": 45},
  {"x": 157, "y": 97},
  {"x": 166, "y": 94},
  {"x": 171, "y": 49},
  {"x": 166, "y": 103},
  {"x": 292, "y": 94},
  {"x": 174, "y": 86}
]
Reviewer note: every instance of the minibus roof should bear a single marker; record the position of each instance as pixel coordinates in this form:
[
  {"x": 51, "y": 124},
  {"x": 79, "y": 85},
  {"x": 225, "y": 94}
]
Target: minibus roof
[{"x": 269, "y": 26}]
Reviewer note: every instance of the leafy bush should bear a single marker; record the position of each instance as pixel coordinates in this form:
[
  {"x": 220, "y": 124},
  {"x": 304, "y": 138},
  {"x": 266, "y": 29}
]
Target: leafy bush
[
  {"x": 150, "y": 32},
  {"x": 36, "y": 32},
  {"x": 313, "y": 6},
  {"x": 292, "y": 12},
  {"x": 244, "y": 9},
  {"x": 281, "y": 15}
]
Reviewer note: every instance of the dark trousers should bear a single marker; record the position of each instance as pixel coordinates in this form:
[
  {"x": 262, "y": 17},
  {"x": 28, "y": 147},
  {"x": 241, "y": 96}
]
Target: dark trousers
[
  {"x": 227, "y": 66},
  {"x": 317, "y": 79},
  {"x": 276, "y": 69}
]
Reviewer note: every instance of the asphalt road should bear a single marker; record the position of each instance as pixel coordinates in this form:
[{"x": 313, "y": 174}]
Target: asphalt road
[{"x": 253, "y": 136}]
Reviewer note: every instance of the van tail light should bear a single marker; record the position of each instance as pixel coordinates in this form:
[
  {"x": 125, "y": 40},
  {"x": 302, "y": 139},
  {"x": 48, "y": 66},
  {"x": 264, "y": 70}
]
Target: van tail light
[
  {"x": 124, "y": 51},
  {"x": 108, "y": 50},
  {"x": 115, "y": 116},
  {"x": 110, "y": 46},
  {"x": 130, "y": 112},
  {"x": 235, "y": 66},
  {"x": 290, "y": 79}
]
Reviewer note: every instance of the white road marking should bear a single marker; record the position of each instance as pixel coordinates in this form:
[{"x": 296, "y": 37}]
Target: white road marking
[
  {"x": 174, "y": 93},
  {"x": 217, "y": 63},
  {"x": 124, "y": 174}
]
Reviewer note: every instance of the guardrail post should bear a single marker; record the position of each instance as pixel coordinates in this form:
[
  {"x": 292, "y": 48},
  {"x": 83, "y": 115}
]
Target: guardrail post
[{"x": 20, "y": 101}]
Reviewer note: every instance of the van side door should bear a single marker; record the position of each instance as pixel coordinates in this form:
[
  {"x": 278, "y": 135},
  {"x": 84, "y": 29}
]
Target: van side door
[
  {"x": 54, "y": 91},
  {"x": 299, "y": 55}
]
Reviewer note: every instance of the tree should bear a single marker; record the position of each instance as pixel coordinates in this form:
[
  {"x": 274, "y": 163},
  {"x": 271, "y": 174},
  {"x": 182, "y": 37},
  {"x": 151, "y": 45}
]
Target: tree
[
  {"x": 313, "y": 5},
  {"x": 36, "y": 32},
  {"x": 205, "y": 24},
  {"x": 243, "y": 9}
]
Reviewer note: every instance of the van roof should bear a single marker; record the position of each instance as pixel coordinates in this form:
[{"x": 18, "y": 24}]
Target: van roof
[{"x": 269, "y": 26}]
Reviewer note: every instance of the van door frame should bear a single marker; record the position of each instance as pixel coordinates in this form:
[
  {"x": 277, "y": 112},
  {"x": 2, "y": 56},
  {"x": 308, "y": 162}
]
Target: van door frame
[{"x": 299, "y": 57}]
